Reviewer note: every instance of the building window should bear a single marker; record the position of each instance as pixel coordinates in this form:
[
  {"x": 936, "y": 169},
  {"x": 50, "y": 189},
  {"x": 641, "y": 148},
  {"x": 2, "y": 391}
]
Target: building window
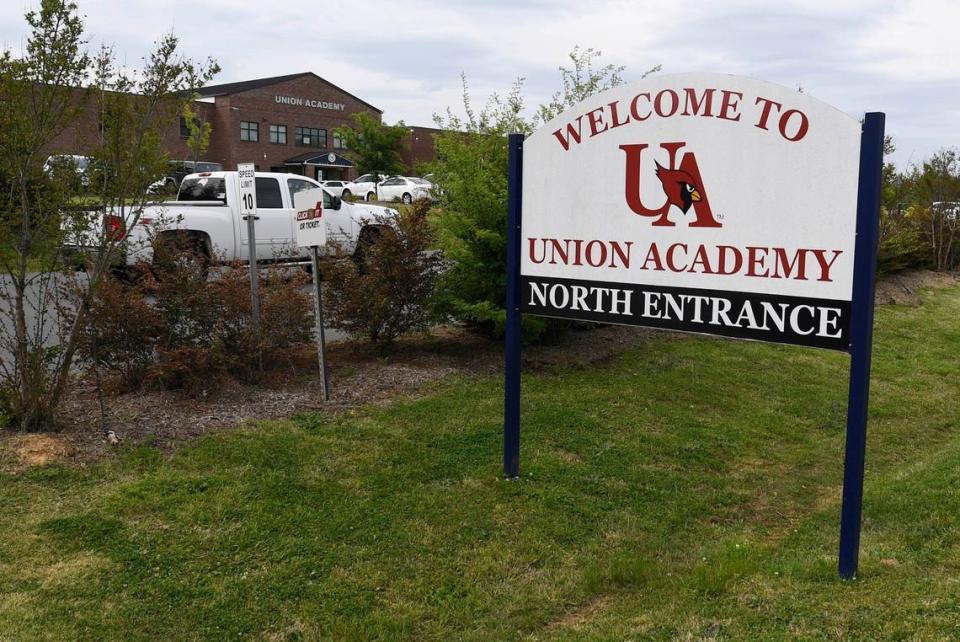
[
  {"x": 278, "y": 134},
  {"x": 249, "y": 132},
  {"x": 338, "y": 141},
  {"x": 309, "y": 137}
]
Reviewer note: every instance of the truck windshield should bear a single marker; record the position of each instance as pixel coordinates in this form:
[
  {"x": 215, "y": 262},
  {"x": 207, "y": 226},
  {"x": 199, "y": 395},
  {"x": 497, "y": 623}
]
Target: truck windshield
[{"x": 203, "y": 188}]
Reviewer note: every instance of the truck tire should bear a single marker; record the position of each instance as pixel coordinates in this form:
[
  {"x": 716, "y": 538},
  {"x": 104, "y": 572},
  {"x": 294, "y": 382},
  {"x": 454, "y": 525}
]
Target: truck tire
[
  {"x": 181, "y": 246},
  {"x": 368, "y": 236},
  {"x": 371, "y": 196},
  {"x": 407, "y": 199}
]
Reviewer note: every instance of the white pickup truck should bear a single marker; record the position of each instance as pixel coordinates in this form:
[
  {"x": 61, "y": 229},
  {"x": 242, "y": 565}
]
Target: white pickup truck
[{"x": 206, "y": 215}]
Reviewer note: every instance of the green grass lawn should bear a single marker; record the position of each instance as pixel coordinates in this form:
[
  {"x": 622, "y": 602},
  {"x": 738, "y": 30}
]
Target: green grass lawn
[{"x": 688, "y": 490}]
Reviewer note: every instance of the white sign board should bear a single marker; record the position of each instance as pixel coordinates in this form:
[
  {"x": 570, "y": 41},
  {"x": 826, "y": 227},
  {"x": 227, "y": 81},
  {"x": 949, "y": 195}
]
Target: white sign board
[
  {"x": 698, "y": 202},
  {"x": 248, "y": 188},
  {"x": 311, "y": 227}
]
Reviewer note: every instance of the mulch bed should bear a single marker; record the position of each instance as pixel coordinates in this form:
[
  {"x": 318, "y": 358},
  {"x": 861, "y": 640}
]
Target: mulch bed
[
  {"x": 904, "y": 288},
  {"x": 358, "y": 375}
]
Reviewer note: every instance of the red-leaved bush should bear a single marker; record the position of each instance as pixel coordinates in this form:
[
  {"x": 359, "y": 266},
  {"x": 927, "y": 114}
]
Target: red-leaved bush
[
  {"x": 179, "y": 325},
  {"x": 387, "y": 289}
]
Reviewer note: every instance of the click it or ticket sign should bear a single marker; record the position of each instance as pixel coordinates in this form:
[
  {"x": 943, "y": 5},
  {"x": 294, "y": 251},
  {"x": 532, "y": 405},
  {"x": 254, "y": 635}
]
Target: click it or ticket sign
[
  {"x": 311, "y": 228},
  {"x": 697, "y": 202}
]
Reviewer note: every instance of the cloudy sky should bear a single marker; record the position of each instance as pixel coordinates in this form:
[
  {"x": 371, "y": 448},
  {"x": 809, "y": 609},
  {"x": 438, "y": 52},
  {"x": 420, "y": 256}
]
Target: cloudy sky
[{"x": 407, "y": 57}]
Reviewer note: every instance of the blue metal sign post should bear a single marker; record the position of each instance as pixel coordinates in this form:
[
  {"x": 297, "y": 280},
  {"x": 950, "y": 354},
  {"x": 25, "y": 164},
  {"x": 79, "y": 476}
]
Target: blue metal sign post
[
  {"x": 861, "y": 338},
  {"x": 511, "y": 397}
]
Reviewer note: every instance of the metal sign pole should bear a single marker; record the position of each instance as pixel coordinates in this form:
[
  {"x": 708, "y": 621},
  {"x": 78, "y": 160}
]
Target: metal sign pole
[
  {"x": 254, "y": 284},
  {"x": 861, "y": 339},
  {"x": 246, "y": 176},
  {"x": 318, "y": 316},
  {"x": 511, "y": 397}
]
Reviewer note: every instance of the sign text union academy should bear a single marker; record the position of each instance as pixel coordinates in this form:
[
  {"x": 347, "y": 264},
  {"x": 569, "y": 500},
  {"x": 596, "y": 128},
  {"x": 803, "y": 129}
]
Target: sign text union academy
[{"x": 300, "y": 102}]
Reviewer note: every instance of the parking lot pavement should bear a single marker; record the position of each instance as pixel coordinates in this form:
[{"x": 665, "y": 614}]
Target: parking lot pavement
[{"x": 35, "y": 302}]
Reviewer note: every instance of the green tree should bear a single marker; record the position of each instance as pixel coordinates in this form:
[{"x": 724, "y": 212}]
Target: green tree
[
  {"x": 582, "y": 81},
  {"x": 372, "y": 146},
  {"x": 198, "y": 132},
  {"x": 198, "y": 127},
  {"x": 471, "y": 167},
  {"x": 937, "y": 190},
  {"x": 890, "y": 192},
  {"x": 920, "y": 227},
  {"x": 44, "y": 308}
]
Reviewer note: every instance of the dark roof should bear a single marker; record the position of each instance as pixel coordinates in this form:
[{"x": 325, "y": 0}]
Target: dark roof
[
  {"x": 318, "y": 158},
  {"x": 246, "y": 85}
]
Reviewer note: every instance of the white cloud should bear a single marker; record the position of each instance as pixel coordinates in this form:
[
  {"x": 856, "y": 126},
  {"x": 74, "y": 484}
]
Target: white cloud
[
  {"x": 406, "y": 58},
  {"x": 916, "y": 41}
]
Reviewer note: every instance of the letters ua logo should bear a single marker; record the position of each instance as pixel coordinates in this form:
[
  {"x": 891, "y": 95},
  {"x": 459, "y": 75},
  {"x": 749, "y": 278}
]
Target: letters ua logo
[{"x": 682, "y": 185}]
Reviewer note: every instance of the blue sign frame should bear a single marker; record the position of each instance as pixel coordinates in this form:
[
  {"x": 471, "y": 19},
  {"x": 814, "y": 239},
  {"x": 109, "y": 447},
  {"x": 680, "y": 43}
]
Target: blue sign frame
[{"x": 861, "y": 330}]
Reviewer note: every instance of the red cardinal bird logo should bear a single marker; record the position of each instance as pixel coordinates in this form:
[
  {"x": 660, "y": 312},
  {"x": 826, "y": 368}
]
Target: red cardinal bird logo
[
  {"x": 681, "y": 188},
  {"x": 681, "y": 181}
]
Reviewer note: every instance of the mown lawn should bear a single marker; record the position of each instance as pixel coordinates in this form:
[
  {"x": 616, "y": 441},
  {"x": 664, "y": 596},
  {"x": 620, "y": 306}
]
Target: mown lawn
[{"x": 688, "y": 490}]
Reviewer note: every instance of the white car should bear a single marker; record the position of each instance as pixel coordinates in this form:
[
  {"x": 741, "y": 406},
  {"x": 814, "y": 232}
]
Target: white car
[
  {"x": 365, "y": 187},
  {"x": 404, "y": 188},
  {"x": 72, "y": 162},
  {"x": 340, "y": 188},
  {"x": 950, "y": 210},
  {"x": 436, "y": 192}
]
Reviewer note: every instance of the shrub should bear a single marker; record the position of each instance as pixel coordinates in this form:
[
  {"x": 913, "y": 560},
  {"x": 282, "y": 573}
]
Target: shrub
[
  {"x": 471, "y": 166},
  {"x": 194, "y": 370},
  {"x": 902, "y": 246},
  {"x": 929, "y": 193},
  {"x": 389, "y": 291},
  {"x": 121, "y": 332},
  {"x": 286, "y": 314},
  {"x": 941, "y": 229},
  {"x": 174, "y": 328},
  {"x": 188, "y": 304}
]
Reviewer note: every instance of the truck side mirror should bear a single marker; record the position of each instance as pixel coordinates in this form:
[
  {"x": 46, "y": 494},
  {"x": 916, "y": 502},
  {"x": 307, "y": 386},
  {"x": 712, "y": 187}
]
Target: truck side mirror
[{"x": 335, "y": 202}]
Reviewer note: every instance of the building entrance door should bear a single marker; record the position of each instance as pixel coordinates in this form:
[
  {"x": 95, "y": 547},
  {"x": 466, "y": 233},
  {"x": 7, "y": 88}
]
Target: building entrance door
[{"x": 329, "y": 174}]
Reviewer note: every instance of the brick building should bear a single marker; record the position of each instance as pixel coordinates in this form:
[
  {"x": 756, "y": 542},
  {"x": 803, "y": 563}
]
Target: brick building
[
  {"x": 418, "y": 147},
  {"x": 281, "y": 124}
]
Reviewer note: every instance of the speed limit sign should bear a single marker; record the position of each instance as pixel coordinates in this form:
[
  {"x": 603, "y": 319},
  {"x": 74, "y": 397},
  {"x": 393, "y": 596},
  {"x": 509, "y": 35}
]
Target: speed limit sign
[{"x": 248, "y": 191}]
